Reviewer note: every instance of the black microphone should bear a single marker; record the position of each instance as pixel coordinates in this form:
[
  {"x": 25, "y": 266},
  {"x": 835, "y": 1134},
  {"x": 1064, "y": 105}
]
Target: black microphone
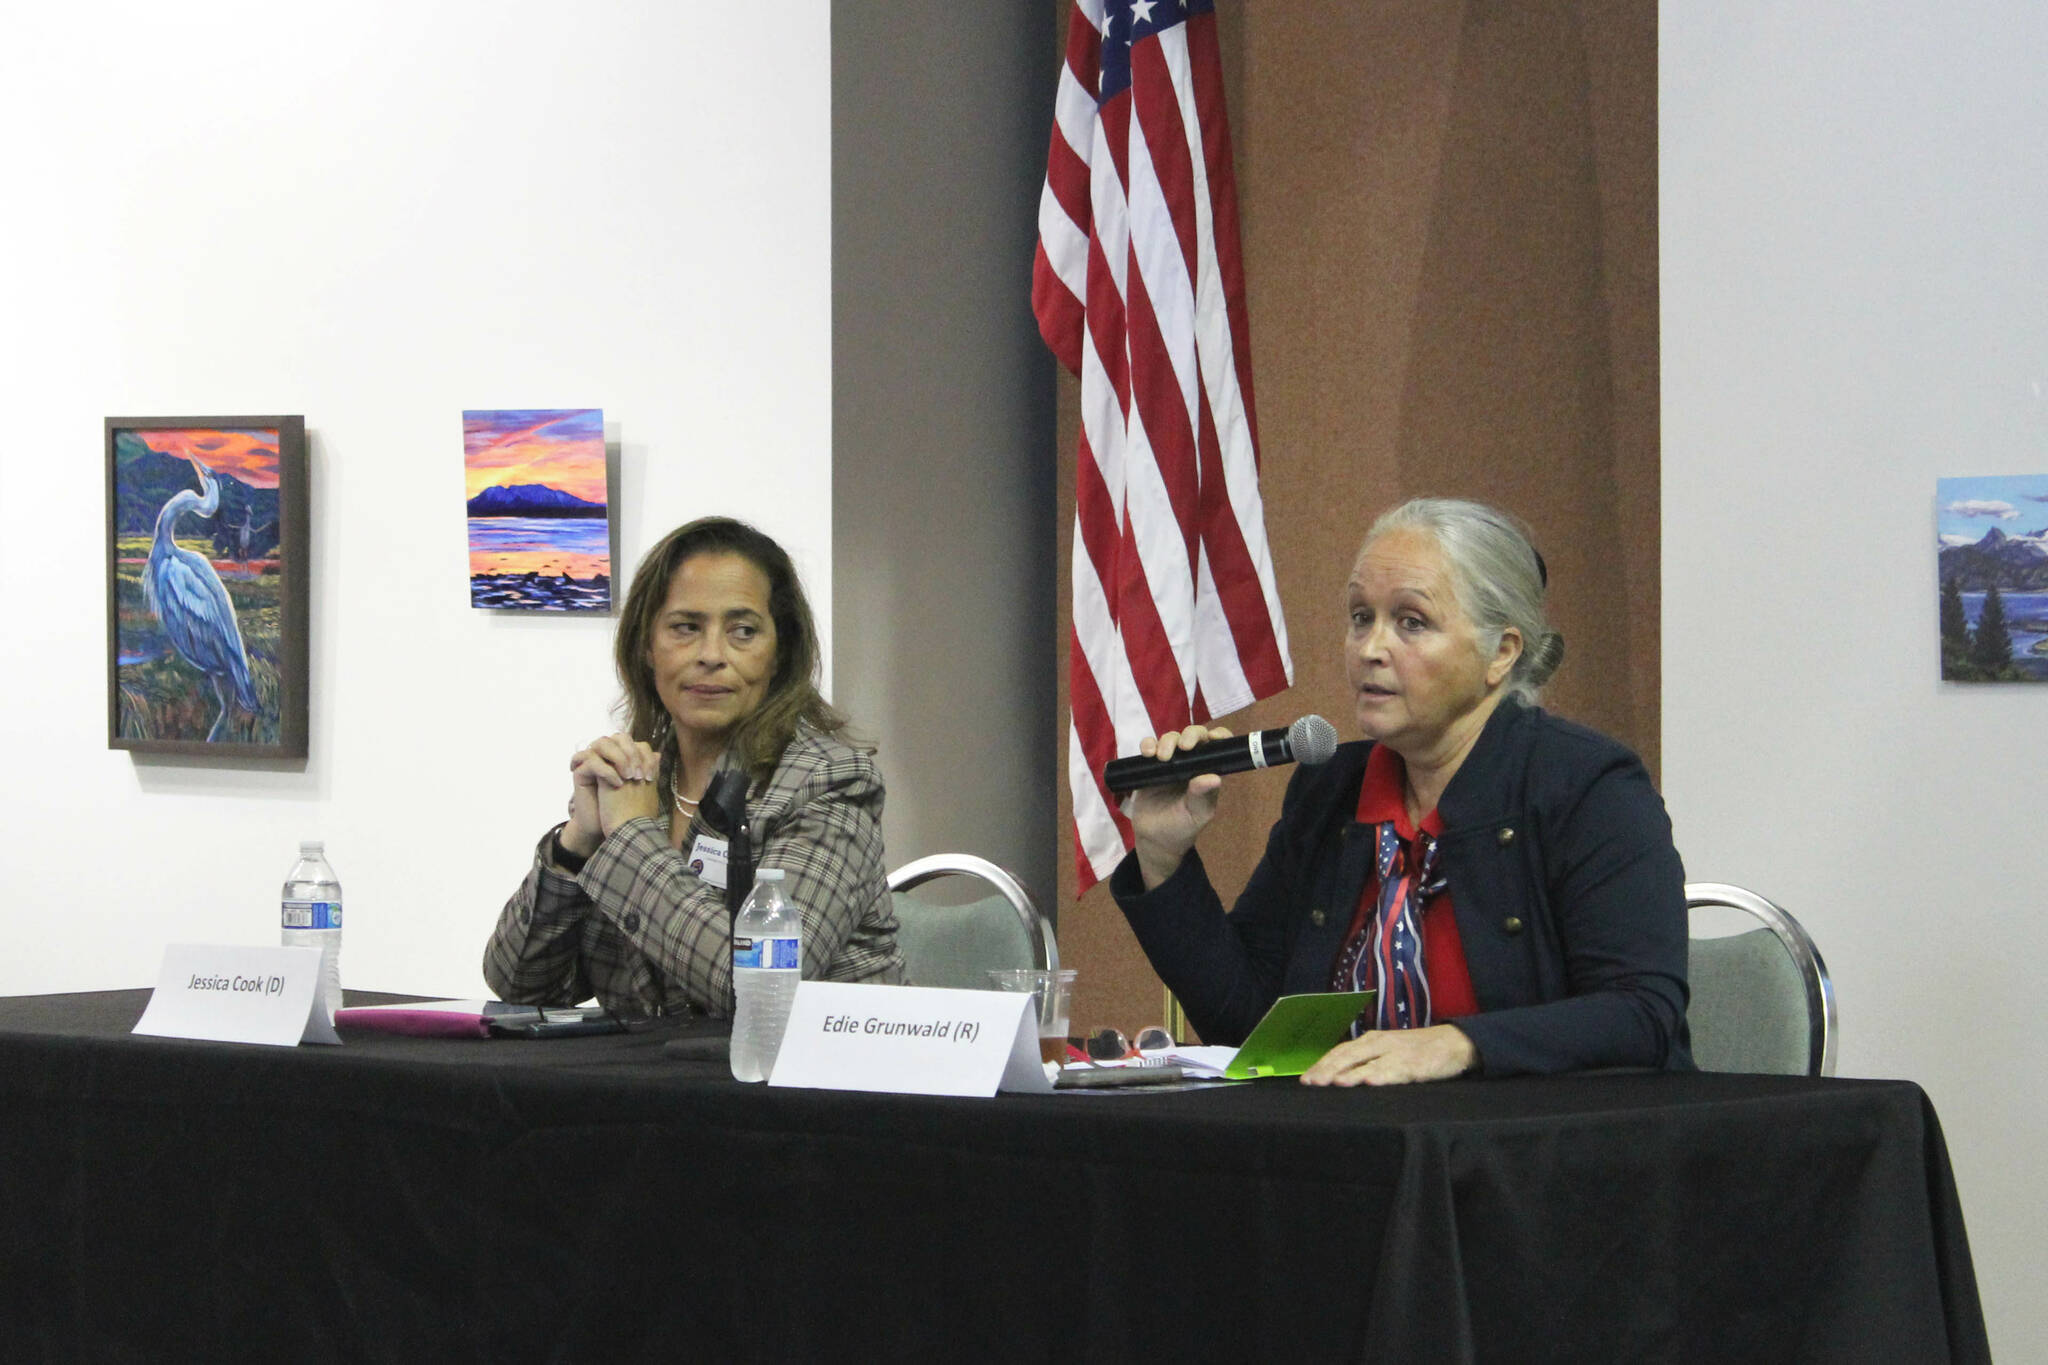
[{"x": 1310, "y": 740}]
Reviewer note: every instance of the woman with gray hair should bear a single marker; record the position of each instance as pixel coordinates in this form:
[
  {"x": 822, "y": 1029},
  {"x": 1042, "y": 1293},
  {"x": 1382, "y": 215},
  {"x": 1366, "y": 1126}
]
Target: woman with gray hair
[{"x": 1502, "y": 879}]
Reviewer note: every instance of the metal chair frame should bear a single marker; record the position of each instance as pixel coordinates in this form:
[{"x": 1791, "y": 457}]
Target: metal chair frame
[
  {"x": 1037, "y": 928},
  {"x": 1823, "y": 1027}
]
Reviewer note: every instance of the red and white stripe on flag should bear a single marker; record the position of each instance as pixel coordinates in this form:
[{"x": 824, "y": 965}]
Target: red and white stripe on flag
[{"x": 1138, "y": 287}]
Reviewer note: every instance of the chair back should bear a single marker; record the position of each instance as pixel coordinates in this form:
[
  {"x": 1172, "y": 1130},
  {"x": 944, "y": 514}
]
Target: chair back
[
  {"x": 1761, "y": 999},
  {"x": 957, "y": 945}
]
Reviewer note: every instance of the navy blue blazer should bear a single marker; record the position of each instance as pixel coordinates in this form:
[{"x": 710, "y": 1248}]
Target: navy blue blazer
[{"x": 1569, "y": 897}]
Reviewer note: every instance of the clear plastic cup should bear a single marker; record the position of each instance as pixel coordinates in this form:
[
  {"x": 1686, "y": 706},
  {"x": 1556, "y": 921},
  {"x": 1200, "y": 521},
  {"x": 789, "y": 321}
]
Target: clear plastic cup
[{"x": 1054, "y": 993}]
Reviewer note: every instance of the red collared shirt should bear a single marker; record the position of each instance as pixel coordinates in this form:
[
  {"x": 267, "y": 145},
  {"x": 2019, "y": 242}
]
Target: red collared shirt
[{"x": 1380, "y": 799}]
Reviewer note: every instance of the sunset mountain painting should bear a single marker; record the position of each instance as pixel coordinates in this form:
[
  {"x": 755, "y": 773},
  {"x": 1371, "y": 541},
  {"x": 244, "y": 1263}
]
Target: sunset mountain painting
[{"x": 539, "y": 508}]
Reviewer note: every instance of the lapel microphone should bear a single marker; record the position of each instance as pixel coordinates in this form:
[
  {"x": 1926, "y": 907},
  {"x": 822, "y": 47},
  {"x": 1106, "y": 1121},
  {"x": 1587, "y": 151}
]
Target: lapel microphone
[{"x": 725, "y": 809}]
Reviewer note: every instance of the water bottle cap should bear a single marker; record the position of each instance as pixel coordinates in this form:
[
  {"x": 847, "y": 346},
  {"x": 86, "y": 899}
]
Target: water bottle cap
[
  {"x": 312, "y": 848},
  {"x": 768, "y": 874}
]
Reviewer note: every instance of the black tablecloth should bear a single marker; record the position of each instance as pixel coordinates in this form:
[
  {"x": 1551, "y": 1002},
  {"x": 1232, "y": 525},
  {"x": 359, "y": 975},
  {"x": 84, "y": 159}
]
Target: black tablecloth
[{"x": 591, "y": 1199}]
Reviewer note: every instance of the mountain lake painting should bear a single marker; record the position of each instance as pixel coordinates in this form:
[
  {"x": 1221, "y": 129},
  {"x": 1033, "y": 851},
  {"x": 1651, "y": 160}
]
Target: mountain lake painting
[
  {"x": 539, "y": 509},
  {"x": 206, "y": 597},
  {"x": 1993, "y": 577}
]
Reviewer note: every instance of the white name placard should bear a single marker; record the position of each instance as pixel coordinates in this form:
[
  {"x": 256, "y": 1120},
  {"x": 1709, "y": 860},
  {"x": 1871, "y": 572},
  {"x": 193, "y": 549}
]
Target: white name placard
[
  {"x": 232, "y": 994},
  {"x": 910, "y": 1040}
]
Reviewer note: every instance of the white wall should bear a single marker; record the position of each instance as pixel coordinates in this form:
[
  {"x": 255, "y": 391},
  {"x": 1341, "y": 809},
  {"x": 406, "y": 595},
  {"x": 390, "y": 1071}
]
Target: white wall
[
  {"x": 1855, "y": 209},
  {"x": 378, "y": 214}
]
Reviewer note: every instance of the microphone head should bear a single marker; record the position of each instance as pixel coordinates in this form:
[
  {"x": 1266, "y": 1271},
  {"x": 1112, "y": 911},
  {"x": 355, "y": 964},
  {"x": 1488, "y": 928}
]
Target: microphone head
[{"x": 1312, "y": 739}]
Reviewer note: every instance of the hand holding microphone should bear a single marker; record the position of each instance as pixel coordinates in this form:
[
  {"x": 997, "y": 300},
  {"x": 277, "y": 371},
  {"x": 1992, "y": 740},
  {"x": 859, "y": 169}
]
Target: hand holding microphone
[
  {"x": 1310, "y": 740},
  {"x": 1174, "y": 783}
]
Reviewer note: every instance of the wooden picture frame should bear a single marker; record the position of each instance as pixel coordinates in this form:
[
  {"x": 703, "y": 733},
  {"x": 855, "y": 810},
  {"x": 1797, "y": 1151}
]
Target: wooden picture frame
[{"x": 207, "y": 566}]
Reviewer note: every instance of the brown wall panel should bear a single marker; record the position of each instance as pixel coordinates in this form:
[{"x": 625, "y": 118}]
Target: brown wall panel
[{"x": 1451, "y": 257}]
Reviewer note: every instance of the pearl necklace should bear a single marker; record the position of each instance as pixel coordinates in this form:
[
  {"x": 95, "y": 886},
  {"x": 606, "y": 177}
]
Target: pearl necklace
[{"x": 675, "y": 787}]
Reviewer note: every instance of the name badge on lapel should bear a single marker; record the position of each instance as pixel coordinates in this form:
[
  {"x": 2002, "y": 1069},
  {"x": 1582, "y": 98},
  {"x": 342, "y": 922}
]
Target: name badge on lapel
[{"x": 707, "y": 859}]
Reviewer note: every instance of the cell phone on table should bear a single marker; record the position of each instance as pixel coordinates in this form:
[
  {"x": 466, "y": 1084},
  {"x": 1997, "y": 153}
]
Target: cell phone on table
[
  {"x": 1115, "y": 1077},
  {"x": 554, "y": 1023}
]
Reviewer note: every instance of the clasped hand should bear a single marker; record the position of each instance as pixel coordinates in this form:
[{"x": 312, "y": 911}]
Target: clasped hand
[{"x": 611, "y": 782}]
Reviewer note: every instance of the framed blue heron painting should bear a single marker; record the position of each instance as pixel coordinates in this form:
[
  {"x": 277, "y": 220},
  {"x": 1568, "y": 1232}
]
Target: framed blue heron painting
[{"x": 206, "y": 585}]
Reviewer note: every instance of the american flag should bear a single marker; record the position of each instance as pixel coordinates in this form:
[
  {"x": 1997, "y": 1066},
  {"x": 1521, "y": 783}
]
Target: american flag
[{"x": 1139, "y": 289}]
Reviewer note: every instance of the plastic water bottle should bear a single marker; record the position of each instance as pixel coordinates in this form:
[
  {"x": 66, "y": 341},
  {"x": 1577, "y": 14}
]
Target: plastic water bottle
[
  {"x": 312, "y": 915},
  {"x": 767, "y": 960}
]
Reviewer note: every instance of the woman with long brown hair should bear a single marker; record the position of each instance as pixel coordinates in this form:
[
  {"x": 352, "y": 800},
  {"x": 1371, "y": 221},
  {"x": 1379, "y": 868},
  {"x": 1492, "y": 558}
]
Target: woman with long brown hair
[{"x": 718, "y": 658}]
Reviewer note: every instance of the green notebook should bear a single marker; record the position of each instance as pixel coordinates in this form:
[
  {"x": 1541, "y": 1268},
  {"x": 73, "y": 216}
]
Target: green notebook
[{"x": 1295, "y": 1032}]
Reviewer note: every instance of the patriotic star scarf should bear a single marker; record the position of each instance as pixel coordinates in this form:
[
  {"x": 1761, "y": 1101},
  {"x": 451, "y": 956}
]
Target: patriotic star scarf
[{"x": 1388, "y": 957}]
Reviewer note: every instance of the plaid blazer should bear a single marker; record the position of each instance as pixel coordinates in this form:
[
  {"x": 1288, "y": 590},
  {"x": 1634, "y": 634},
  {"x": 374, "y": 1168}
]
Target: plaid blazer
[{"x": 645, "y": 935}]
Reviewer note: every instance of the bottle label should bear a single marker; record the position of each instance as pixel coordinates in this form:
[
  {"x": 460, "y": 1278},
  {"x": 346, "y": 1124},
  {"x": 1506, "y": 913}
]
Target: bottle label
[
  {"x": 767, "y": 952},
  {"x": 312, "y": 914}
]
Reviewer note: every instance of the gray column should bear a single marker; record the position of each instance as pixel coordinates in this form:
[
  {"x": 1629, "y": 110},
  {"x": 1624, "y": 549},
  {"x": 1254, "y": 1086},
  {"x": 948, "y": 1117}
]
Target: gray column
[{"x": 943, "y": 450}]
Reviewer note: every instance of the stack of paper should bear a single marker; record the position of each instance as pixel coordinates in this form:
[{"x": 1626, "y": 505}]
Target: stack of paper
[{"x": 1197, "y": 1062}]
